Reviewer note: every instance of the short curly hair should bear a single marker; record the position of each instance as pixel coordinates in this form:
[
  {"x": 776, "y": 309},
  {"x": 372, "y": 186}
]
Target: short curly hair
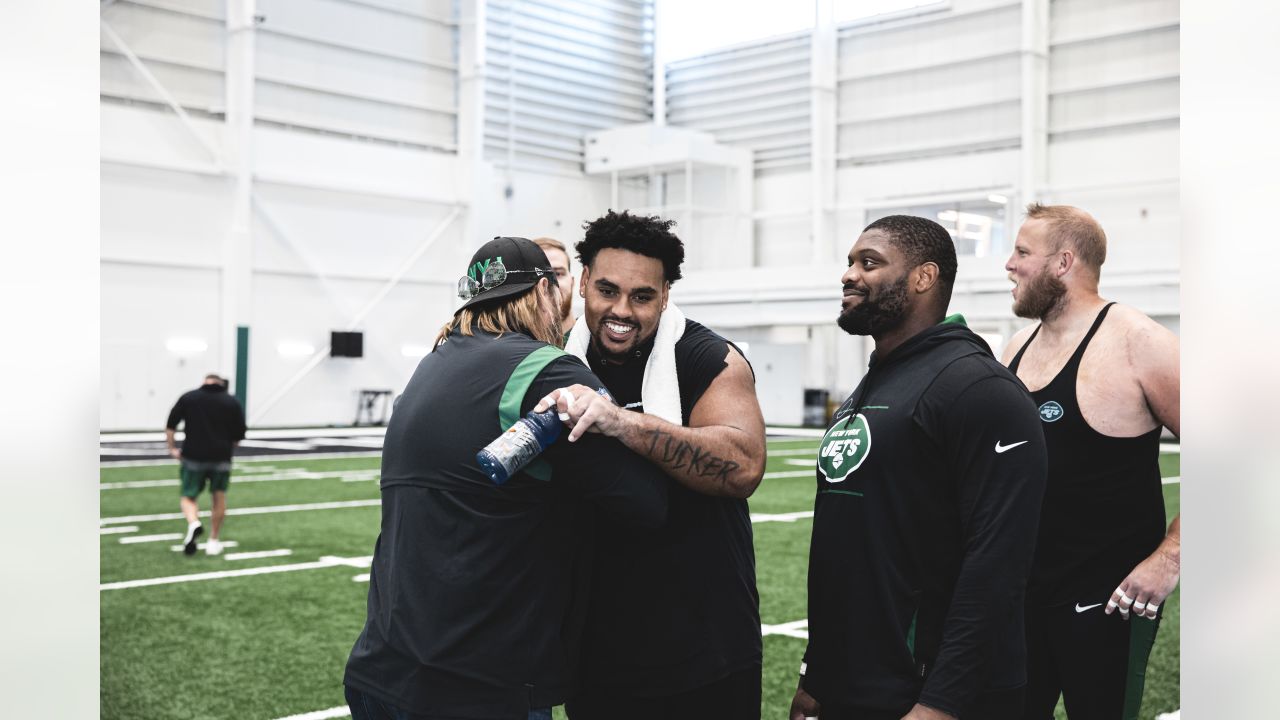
[
  {"x": 647, "y": 235},
  {"x": 922, "y": 240}
]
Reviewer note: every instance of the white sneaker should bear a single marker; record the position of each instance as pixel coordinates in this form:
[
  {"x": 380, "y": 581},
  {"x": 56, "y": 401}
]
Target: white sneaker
[
  {"x": 213, "y": 547},
  {"x": 194, "y": 530}
]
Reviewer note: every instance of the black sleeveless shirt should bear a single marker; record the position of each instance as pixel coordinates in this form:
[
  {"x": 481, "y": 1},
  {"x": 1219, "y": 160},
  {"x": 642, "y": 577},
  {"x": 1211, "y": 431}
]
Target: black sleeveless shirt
[
  {"x": 677, "y": 609},
  {"x": 1103, "y": 509}
]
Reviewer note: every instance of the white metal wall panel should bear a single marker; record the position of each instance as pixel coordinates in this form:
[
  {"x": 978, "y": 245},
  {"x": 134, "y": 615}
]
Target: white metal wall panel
[
  {"x": 362, "y": 26},
  {"x": 360, "y": 68},
  {"x": 297, "y": 63},
  {"x": 194, "y": 89},
  {"x": 1081, "y": 18},
  {"x": 180, "y": 43},
  {"x": 1113, "y": 66},
  {"x": 935, "y": 84},
  {"x": 371, "y": 69},
  {"x": 754, "y": 96},
  {"x": 556, "y": 69},
  {"x": 929, "y": 40}
]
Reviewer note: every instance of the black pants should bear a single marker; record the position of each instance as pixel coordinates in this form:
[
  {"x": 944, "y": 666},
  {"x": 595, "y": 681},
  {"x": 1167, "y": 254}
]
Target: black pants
[
  {"x": 1096, "y": 662},
  {"x": 991, "y": 705},
  {"x": 365, "y": 706},
  {"x": 736, "y": 697}
]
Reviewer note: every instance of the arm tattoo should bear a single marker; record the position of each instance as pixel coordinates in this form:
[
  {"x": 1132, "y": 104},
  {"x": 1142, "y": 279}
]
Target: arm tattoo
[{"x": 681, "y": 455}]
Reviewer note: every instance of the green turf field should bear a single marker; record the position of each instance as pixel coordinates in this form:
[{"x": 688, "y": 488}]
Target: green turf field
[{"x": 273, "y": 645}]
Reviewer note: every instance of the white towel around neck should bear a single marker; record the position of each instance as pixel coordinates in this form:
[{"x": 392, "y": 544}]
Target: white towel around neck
[{"x": 660, "y": 391}]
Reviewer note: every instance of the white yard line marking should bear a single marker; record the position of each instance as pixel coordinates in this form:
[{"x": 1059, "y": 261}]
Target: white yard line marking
[
  {"x": 280, "y": 434},
  {"x": 795, "y": 629},
  {"x": 265, "y": 510},
  {"x": 277, "y": 445},
  {"x": 809, "y": 461},
  {"x": 341, "y": 711},
  {"x": 789, "y": 474},
  {"x": 291, "y": 474},
  {"x": 247, "y": 459},
  {"x": 812, "y": 452},
  {"x": 362, "y": 577},
  {"x": 324, "y": 562},
  {"x": 349, "y": 442},
  {"x": 118, "y": 530},
  {"x": 204, "y": 545},
  {"x": 150, "y": 538},
  {"x": 1175, "y": 715},
  {"x": 781, "y": 517},
  {"x": 254, "y": 555},
  {"x": 798, "y": 433},
  {"x": 137, "y": 484},
  {"x": 1175, "y": 480},
  {"x": 355, "y": 562},
  {"x": 1175, "y": 448},
  {"x": 125, "y": 452}
]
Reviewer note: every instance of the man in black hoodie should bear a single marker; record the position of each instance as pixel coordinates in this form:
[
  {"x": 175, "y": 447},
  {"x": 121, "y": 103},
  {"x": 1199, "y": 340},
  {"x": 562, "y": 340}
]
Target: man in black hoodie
[
  {"x": 213, "y": 423},
  {"x": 929, "y": 487}
]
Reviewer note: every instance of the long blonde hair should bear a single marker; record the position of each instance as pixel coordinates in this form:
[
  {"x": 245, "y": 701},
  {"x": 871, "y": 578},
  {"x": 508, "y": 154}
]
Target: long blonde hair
[{"x": 520, "y": 314}]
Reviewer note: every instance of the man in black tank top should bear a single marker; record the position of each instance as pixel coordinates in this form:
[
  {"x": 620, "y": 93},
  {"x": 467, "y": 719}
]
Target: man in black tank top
[
  {"x": 673, "y": 625},
  {"x": 1105, "y": 379}
]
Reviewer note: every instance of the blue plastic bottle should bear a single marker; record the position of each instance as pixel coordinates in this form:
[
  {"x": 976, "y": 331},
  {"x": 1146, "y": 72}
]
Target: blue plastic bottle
[{"x": 521, "y": 443}]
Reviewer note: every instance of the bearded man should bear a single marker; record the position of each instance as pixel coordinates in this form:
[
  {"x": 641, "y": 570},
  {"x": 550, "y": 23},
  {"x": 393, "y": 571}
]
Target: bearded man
[
  {"x": 1106, "y": 381},
  {"x": 929, "y": 483}
]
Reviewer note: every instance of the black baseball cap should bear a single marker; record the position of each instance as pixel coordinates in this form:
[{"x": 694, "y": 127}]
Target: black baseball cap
[{"x": 521, "y": 261}]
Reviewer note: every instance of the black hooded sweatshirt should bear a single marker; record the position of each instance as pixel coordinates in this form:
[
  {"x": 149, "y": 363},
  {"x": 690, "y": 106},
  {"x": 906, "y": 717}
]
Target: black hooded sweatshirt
[{"x": 930, "y": 480}]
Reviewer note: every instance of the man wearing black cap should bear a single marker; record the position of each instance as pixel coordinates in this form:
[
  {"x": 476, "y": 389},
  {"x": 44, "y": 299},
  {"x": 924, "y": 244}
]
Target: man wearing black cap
[
  {"x": 475, "y": 599},
  {"x": 929, "y": 483},
  {"x": 213, "y": 424}
]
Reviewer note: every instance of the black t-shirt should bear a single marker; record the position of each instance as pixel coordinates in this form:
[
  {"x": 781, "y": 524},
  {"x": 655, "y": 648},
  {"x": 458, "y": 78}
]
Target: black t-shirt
[
  {"x": 675, "y": 610},
  {"x": 214, "y": 423},
  {"x": 476, "y": 593}
]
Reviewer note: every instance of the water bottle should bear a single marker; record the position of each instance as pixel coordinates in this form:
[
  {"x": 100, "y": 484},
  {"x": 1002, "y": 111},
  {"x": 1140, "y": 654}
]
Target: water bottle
[{"x": 521, "y": 443}]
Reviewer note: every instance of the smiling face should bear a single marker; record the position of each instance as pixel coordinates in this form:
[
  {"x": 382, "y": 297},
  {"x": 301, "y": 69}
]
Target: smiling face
[
  {"x": 1038, "y": 292},
  {"x": 625, "y": 294},
  {"x": 875, "y": 286}
]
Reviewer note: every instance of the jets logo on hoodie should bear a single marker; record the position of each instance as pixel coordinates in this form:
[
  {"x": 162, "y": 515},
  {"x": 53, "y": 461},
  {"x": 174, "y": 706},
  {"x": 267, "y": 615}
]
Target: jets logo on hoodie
[{"x": 844, "y": 448}]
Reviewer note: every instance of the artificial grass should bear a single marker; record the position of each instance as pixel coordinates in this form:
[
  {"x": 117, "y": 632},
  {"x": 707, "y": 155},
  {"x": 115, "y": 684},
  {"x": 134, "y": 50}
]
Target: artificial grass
[{"x": 270, "y": 646}]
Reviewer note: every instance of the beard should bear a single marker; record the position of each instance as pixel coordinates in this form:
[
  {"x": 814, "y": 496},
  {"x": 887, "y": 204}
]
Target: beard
[
  {"x": 880, "y": 310},
  {"x": 620, "y": 356},
  {"x": 1041, "y": 297},
  {"x": 566, "y": 307}
]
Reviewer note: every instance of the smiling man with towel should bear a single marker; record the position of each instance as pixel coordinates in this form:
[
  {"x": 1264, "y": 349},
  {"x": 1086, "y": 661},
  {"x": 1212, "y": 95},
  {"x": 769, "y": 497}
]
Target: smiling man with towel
[{"x": 673, "y": 626}]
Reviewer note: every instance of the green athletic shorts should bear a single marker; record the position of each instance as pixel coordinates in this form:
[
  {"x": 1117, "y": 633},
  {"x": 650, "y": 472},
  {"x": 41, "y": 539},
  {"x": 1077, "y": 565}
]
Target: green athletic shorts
[{"x": 194, "y": 474}]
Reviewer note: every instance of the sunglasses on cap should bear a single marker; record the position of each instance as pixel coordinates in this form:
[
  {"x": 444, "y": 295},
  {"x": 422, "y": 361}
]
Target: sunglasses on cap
[{"x": 495, "y": 275}]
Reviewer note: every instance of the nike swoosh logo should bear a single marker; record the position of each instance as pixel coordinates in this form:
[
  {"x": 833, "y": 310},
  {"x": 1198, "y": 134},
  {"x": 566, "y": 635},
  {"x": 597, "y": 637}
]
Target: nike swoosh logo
[
  {"x": 1087, "y": 607},
  {"x": 1002, "y": 448}
]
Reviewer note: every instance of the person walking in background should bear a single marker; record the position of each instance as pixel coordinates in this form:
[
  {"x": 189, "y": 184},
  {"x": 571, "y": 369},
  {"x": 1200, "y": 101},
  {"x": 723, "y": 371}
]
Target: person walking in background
[
  {"x": 1105, "y": 378},
  {"x": 213, "y": 424}
]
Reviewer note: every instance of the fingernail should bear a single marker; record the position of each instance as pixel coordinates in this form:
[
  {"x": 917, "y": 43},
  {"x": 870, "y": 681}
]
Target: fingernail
[{"x": 564, "y": 417}]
